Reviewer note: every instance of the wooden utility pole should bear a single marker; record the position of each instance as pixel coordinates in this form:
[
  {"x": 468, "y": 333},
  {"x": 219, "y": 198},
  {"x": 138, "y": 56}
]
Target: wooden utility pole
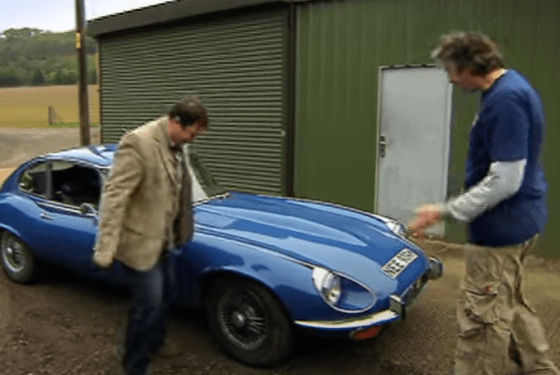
[{"x": 82, "y": 84}]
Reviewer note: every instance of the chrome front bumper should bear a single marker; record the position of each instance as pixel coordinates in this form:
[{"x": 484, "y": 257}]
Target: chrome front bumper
[{"x": 379, "y": 318}]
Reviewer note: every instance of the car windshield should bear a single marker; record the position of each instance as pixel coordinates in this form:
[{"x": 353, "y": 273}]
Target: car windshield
[{"x": 204, "y": 186}]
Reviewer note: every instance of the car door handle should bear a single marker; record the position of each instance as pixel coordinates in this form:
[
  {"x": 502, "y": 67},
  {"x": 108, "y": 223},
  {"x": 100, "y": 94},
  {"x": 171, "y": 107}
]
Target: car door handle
[
  {"x": 46, "y": 216},
  {"x": 382, "y": 145}
]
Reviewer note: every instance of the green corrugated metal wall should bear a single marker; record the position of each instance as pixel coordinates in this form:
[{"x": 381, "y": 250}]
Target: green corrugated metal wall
[
  {"x": 236, "y": 64},
  {"x": 342, "y": 44}
]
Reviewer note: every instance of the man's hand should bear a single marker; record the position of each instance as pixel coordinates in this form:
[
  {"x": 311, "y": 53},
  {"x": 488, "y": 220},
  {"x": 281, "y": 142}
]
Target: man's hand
[
  {"x": 103, "y": 260},
  {"x": 426, "y": 215}
]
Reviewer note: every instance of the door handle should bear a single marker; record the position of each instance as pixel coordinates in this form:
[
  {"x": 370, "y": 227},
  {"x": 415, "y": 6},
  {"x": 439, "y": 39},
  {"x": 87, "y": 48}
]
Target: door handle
[
  {"x": 382, "y": 145},
  {"x": 46, "y": 216}
]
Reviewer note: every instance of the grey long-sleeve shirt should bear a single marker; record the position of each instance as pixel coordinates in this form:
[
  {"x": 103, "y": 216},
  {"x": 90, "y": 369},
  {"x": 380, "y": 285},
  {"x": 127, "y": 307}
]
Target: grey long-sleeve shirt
[{"x": 503, "y": 180}]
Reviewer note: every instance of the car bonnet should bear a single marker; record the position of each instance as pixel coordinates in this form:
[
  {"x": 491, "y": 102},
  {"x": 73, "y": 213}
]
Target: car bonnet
[{"x": 334, "y": 237}]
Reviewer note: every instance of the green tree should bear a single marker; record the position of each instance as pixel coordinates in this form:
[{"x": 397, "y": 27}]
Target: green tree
[
  {"x": 31, "y": 56},
  {"x": 7, "y": 80},
  {"x": 38, "y": 78},
  {"x": 51, "y": 78},
  {"x": 26, "y": 32}
]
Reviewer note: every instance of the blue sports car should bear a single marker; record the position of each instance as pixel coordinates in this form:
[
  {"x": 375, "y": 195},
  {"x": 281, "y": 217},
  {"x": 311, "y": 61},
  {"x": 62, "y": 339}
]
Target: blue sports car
[{"x": 264, "y": 268}]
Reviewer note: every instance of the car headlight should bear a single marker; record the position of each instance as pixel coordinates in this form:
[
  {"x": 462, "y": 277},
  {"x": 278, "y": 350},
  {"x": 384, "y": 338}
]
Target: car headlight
[
  {"x": 341, "y": 292},
  {"x": 328, "y": 285}
]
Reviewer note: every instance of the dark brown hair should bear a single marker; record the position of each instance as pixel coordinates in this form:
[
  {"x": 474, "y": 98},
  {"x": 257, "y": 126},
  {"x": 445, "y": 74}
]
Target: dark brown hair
[
  {"x": 469, "y": 51},
  {"x": 188, "y": 111}
]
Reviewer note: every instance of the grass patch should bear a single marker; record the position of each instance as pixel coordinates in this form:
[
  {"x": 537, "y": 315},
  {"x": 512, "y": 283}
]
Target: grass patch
[{"x": 28, "y": 107}]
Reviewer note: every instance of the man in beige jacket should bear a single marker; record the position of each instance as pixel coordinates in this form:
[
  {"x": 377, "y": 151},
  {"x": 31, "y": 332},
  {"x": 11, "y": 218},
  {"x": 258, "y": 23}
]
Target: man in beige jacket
[{"x": 146, "y": 213}]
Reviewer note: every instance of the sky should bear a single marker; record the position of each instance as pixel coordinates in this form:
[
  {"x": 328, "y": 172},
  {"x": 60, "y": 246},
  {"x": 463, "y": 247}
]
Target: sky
[{"x": 60, "y": 15}]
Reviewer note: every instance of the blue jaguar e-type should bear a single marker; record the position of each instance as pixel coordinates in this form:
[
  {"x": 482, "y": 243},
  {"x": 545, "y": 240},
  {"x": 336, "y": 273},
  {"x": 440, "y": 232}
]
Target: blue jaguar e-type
[{"x": 264, "y": 268}]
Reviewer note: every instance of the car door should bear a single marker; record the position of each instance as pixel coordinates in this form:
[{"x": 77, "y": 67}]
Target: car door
[
  {"x": 27, "y": 215},
  {"x": 70, "y": 214},
  {"x": 66, "y": 218}
]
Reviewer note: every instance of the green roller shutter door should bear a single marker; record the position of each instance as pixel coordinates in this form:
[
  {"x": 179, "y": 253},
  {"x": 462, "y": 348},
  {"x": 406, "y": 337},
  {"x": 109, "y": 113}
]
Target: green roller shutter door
[{"x": 236, "y": 64}]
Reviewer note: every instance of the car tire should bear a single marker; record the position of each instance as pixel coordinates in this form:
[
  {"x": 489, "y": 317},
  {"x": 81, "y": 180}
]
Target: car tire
[
  {"x": 17, "y": 261},
  {"x": 248, "y": 322}
]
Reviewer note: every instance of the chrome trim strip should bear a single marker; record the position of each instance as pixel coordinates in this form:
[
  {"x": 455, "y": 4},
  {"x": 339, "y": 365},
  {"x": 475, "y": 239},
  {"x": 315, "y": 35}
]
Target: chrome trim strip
[
  {"x": 66, "y": 208},
  {"x": 219, "y": 196},
  {"x": 60, "y": 206},
  {"x": 385, "y": 316}
]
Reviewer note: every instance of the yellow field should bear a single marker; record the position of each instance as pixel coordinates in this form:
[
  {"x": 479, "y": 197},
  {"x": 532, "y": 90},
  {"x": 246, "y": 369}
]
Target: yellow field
[
  {"x": 28, "y": 106},
  {"x": 5, "y": 172}
]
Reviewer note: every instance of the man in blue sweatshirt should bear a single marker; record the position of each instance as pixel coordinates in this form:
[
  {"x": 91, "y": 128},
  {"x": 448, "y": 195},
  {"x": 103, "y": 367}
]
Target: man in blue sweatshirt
[{"x": 504, "y": 204}]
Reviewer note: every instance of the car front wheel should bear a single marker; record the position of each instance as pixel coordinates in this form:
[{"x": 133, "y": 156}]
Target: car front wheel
[
  {"x": 248, "y": 322},
  {"x": 17, "y": 260}
]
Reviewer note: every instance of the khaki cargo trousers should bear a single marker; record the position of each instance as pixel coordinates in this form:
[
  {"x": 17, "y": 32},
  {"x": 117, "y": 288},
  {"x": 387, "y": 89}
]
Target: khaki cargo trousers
[{"x": 492, "y": 309}]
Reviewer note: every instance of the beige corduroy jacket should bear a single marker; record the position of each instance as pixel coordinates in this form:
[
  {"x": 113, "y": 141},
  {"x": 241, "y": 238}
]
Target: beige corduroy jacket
[{"x": 140, "y": 199}]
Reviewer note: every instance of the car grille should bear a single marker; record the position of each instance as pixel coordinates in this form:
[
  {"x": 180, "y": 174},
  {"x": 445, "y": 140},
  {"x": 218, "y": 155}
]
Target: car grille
[{"x": 399, "y": 262}]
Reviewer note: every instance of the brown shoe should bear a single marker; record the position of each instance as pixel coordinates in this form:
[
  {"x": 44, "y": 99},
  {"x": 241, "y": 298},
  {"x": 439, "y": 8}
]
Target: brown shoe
[{"x": 169, "y": 349}]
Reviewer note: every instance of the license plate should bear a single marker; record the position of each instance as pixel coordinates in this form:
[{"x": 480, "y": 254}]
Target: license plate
[{"x": 399, "y": 262}]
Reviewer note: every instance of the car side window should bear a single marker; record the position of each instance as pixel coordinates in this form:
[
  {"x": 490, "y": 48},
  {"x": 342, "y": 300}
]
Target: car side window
[
  {"x": 75, "y": 184},
  {"x": 35, "y": 180}
]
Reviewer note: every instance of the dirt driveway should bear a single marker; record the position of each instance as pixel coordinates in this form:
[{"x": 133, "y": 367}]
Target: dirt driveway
[
  {"x": 66, "y": 325},
  {"x": 20, "y": 144}
]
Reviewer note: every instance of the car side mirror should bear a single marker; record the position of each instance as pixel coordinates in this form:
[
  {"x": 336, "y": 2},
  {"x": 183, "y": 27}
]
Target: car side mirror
[{"x": 88, "y": 209}]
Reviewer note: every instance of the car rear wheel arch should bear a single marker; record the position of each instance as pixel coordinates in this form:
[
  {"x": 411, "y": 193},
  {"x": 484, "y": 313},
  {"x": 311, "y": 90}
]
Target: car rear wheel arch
[{"x": 224, "y": 294}]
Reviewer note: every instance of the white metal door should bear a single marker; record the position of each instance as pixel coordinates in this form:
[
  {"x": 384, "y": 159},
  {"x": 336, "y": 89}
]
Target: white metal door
[{"x": 413, "y": 140}]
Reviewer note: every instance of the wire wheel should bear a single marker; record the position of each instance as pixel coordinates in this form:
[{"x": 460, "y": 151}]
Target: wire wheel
[
  {"x": 242, "y": 318},
  {"x": 17, "y": 261},
  {"x": 248, "y": 321}
]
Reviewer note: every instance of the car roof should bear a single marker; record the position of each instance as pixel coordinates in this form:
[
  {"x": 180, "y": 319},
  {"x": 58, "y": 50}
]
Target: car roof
[{"x": 100, "y": 155}]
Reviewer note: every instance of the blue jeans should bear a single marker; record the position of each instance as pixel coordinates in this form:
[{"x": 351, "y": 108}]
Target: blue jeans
[{"x": 151, "y": 295}]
